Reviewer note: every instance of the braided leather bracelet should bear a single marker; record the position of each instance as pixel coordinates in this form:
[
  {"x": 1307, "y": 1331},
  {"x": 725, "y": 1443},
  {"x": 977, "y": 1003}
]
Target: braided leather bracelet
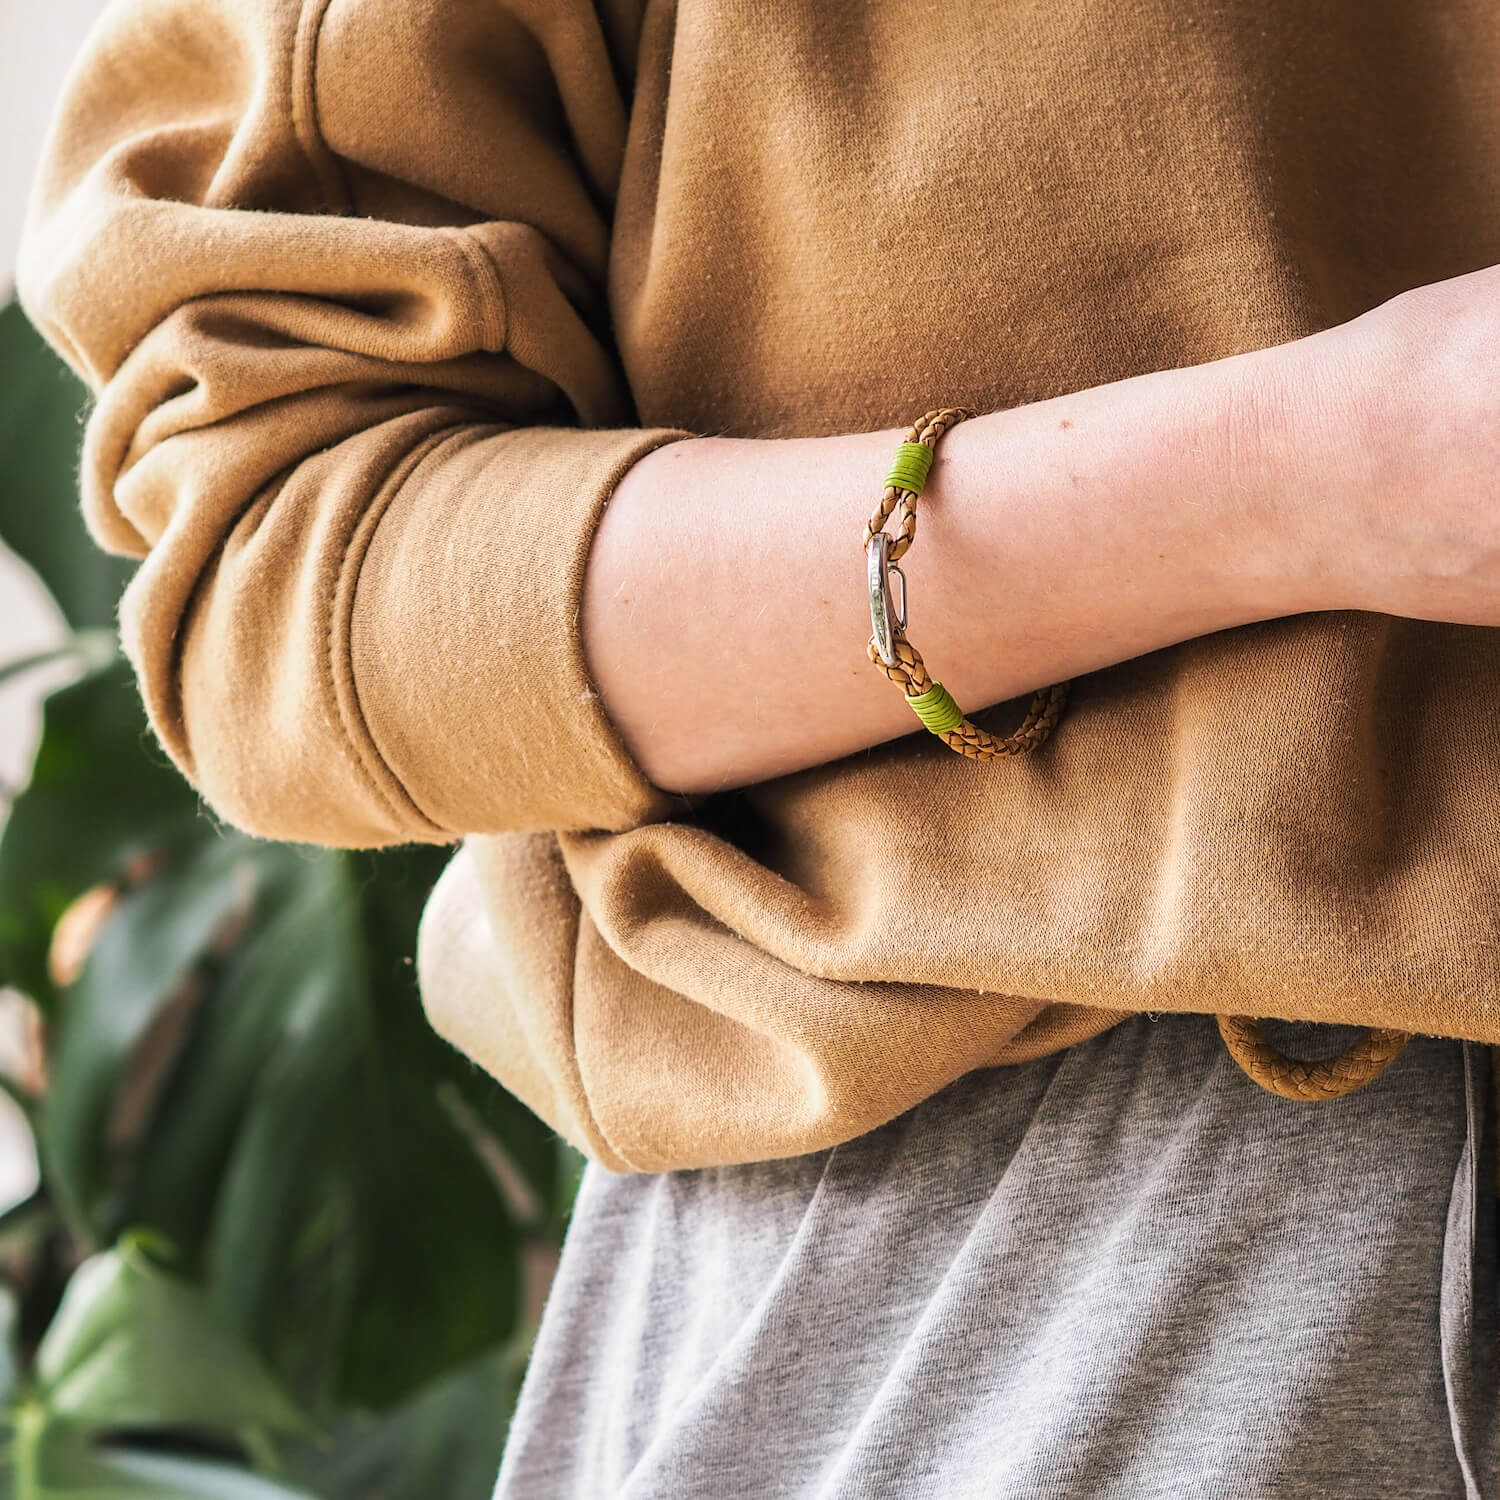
[
  {"x": 1368, "y": 1056},
  {"x": 889, "y": 648}
]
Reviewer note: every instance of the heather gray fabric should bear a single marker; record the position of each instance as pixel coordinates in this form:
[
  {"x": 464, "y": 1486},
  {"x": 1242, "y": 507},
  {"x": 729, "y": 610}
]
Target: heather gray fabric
[{"x": 1122, "y": 1272}]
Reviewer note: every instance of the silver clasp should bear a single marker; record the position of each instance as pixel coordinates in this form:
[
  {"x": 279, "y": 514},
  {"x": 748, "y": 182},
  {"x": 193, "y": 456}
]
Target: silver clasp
[{"x": 878, "y": 569}]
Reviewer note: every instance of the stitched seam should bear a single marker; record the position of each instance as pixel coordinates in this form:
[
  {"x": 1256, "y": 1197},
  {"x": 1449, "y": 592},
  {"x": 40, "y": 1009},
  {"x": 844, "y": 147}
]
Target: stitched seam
[
  {"x": 304, "y": 92},
  {"x": 378, "y": 777},
  {"x": 489, "y": 287},
  {"x": 339, "y": 641}
]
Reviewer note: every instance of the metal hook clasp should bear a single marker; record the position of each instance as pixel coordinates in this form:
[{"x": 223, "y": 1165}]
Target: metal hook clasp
[{"x": 884, "y": 621}]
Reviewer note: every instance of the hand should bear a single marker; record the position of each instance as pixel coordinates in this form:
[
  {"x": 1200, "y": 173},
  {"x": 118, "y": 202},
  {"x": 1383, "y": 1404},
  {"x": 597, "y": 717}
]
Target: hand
[{"x": 1408, "y": 398}]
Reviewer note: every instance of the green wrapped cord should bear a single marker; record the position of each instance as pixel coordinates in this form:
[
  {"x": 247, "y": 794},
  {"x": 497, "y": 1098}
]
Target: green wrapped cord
[
  {"x": 904, "y": 666},
  {"x": 909, "y": 467},
  {"x": 936, "y": 709}
]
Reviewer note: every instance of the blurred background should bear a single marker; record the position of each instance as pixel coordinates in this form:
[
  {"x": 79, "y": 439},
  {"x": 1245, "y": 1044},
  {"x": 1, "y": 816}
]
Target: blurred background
[{"x": 262, "y": 1234}]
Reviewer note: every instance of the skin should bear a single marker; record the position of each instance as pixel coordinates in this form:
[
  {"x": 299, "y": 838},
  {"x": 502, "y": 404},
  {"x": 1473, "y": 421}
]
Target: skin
[{"x": 1357, "y": 468}]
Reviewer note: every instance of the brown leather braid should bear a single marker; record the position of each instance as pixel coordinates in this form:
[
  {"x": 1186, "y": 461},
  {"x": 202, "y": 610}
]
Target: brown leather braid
[
  {"x": 1364, "y": 1060},
  {"x": 909, "y": 672}
]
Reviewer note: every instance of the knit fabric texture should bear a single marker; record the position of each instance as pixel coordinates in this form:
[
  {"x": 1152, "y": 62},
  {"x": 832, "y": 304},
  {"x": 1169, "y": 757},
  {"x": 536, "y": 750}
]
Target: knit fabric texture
[
  {"x": 1120, "y": 1272},
  {"x": 379, "y": 299}
]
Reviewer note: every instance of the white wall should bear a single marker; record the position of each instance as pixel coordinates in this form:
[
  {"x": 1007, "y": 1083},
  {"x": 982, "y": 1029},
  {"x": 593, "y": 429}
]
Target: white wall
[{"x": 39, "y": 42}]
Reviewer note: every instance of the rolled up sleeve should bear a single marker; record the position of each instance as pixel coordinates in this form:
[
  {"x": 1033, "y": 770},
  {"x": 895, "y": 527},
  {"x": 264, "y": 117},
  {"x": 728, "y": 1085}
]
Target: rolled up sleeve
[{"x": 335, "y": 274}]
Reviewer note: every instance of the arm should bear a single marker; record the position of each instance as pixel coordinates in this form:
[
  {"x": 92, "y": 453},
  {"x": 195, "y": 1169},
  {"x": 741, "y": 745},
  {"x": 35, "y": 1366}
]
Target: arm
[
  {"x": 726, "y": 583},
  {"x": 1350, "y": 469},
  {"x": 353, "y": 373}
]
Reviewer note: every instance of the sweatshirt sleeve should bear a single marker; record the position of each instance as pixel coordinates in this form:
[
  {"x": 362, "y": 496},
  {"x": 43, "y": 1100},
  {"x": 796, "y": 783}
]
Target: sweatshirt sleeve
[{"x": 335, "y": 273}]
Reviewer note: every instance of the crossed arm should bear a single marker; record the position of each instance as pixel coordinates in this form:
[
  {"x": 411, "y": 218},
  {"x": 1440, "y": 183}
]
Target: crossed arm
[{"x": 725, "y": 587}]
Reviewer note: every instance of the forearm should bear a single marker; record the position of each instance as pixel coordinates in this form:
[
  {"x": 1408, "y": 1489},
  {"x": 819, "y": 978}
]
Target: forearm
[{"x": 725, "y": 607}]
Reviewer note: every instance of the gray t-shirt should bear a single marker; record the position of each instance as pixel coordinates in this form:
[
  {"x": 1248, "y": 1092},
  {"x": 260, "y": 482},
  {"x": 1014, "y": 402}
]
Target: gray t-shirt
[{"x": 1123, "y": 1272}]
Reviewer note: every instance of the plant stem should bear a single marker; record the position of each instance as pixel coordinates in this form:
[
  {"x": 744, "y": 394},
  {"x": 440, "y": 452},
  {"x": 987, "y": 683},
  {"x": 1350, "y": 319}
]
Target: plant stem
[{"x": 91, "y": 648}]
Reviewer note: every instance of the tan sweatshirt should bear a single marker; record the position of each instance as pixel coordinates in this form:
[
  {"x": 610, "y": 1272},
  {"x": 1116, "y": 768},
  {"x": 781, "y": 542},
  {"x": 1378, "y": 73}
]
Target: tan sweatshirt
[{"x": 379, "y": 299}]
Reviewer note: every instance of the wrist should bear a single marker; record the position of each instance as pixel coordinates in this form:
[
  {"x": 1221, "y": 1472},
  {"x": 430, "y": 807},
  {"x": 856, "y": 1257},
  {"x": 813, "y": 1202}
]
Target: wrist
[
  {"x": 1299, "y": 450},
  {"x": 1115, "y": 520}
]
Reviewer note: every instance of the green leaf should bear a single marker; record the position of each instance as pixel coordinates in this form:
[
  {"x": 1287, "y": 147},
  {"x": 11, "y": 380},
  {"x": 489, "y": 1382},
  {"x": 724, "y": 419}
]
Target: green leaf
[
  {"x": 58, "y": 1462},
  {"x": 101, "y": 791},
  {"x": 247, "y": 1163},
  {"x": 264, "y": 996},
  {"x": 135, "y": 1346},
  {"x": 445, "y": 1441},
  {"x": 41, "y": 519},
  {"x": 438, "y": 1278},
  {"x": 303, "y": 1129},
  {"x": 157, "y": 932},
  {"x": 302, "y": 1153},
  {"x": 166, "y": 1478},
  {"x": 394, "y": 893},
  {"x": 315, "y": 973}
]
